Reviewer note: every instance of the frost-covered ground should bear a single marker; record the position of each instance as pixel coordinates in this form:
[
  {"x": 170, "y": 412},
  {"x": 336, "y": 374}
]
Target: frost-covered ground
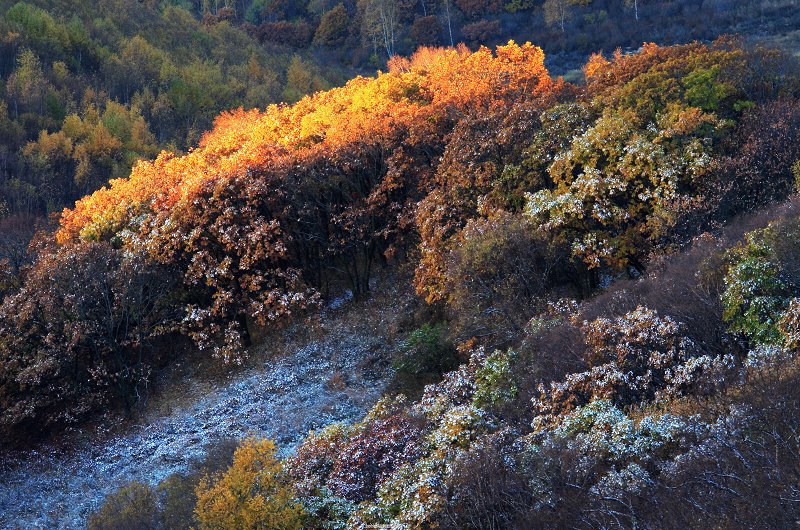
[{"x": 282, "y": 399}]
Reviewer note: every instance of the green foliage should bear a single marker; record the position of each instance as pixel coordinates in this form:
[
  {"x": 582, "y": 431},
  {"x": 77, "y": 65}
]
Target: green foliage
[
  {"x": 426, "y": 354},
  {"x": 755, "y": 294},
  {"x": 518, "y": 5},
  {"x": 494, "y": 379},
  {"x": 333, "y": 27},
  {"x": 703, "y": 89},
  {"x": 255, "y": 11}
]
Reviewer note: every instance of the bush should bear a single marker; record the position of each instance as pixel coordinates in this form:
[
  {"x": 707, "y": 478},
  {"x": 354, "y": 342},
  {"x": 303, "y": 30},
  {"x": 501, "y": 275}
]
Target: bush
[
  {"x": 482, "y": 31},
  {"x": 133, "y": 507},
  {"x": 494, "y": 379},
  {"x": 755, "y": 294},
  {"x": 169, "y": 506},
  {"x": 425, "y": 356},
  {"x": 500, "y": 276}
]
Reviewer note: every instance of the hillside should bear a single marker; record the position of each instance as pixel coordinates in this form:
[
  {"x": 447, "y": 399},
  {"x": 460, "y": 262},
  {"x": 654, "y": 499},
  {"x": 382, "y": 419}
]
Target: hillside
[
  {"x": 287, "y": 390},
  {"x": 88, "y": 88},
  {"x": 603, "y": 330}
]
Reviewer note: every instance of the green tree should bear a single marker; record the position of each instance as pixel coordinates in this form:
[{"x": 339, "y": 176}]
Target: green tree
[
  {"x": 27, "y": 85},
  {"x": 755, "y": 293},
  {"x": 332, "y": 30}
]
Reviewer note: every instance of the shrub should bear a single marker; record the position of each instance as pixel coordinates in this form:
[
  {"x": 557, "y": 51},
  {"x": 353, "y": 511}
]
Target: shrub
[
  {"x": 499, "y": 276},
  {"x": 169, "y": 506},
  {"x": 133, "y": 507},
  {"x": 371, "y": 455},
  {"x": 495, "y": 380},
  {"x": 633, "y": 360},
  {"x": 766, "y": 144},
  {"x": 755, "y": 294},
  {"x": 424, "y": 357},
  {"x": 482, "y": 31}
]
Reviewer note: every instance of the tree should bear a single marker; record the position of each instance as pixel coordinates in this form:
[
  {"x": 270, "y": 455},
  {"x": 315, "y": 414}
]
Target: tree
[
  {"x": 300, "y": 80},
  {"x": 332, "y": 29},
  {"x": 16, "y": 232},
  {"x": 252, "y": 493},
  {"x": 448, "y": 19},
  {"x": 559, "y": 11},
  {"x": 82, "y": 332},
  {"x": 475, "y": 8},
  {"x": 635, "y": 5},
  {"x": 382, "y": 22},
  {"x": 27, "y": 85},
  {"x": 425, "y": 30}
]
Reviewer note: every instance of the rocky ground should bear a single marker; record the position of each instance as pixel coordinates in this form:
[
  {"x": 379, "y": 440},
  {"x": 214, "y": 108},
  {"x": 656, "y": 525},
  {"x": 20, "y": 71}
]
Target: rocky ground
[{"x": 335, "y": 377}]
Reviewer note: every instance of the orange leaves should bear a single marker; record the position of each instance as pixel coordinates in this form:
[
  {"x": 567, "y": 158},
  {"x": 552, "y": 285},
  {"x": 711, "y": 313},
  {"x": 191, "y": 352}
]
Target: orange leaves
[
  {"x": 273, "y": 203},
  {"x": 366, "y": 110},
  {"x": 464, "y": 79},
  {"x": 596, "y": 68}
]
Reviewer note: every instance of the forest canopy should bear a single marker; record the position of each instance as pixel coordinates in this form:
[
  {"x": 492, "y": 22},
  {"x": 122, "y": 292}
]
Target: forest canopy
[{"x": 502, "y": 185}]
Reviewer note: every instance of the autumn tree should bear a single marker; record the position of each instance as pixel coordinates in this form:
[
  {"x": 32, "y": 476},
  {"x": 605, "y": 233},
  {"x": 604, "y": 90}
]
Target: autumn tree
[
  {"x": 381, "y": 23},
  {"x": 425, "y": 30},
  {"x": 82, "y": 332},
  {"x": 635, "y": 5},
  {"x": 27, "y": 86},
  {"x": 252, "y": 493},
  {"x": 448, "y": 19},
  {"x": 475, "y": 8},
  {"x": 16, "y": 233}
]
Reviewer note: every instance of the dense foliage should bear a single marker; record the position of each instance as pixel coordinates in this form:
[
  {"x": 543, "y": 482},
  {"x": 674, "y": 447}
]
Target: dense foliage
[
  {"x": 657, "y": 425},
  {"x": 90, "y": 88},
  {"x": 607, "y": 345},
  {"x": 506, "y": 188},
  {"x": 628, "y": 343}
]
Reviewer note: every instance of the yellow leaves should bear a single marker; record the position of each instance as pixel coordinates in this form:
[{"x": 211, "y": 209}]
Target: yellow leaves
[
  {"x": 683, "y": 121},
  {"x": 252, "y": 493},
  {"x": 50, "y": 147}
]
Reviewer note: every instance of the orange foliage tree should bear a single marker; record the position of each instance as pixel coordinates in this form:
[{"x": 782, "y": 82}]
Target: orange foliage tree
[{"x": 272, "y": 206}]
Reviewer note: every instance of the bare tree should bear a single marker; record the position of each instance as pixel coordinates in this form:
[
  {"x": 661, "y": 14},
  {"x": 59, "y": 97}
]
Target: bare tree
[
  {"x": 381, "y": 22},
  {"x": 446, "y": 12},
  {"x": 635, "y": 5}
]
